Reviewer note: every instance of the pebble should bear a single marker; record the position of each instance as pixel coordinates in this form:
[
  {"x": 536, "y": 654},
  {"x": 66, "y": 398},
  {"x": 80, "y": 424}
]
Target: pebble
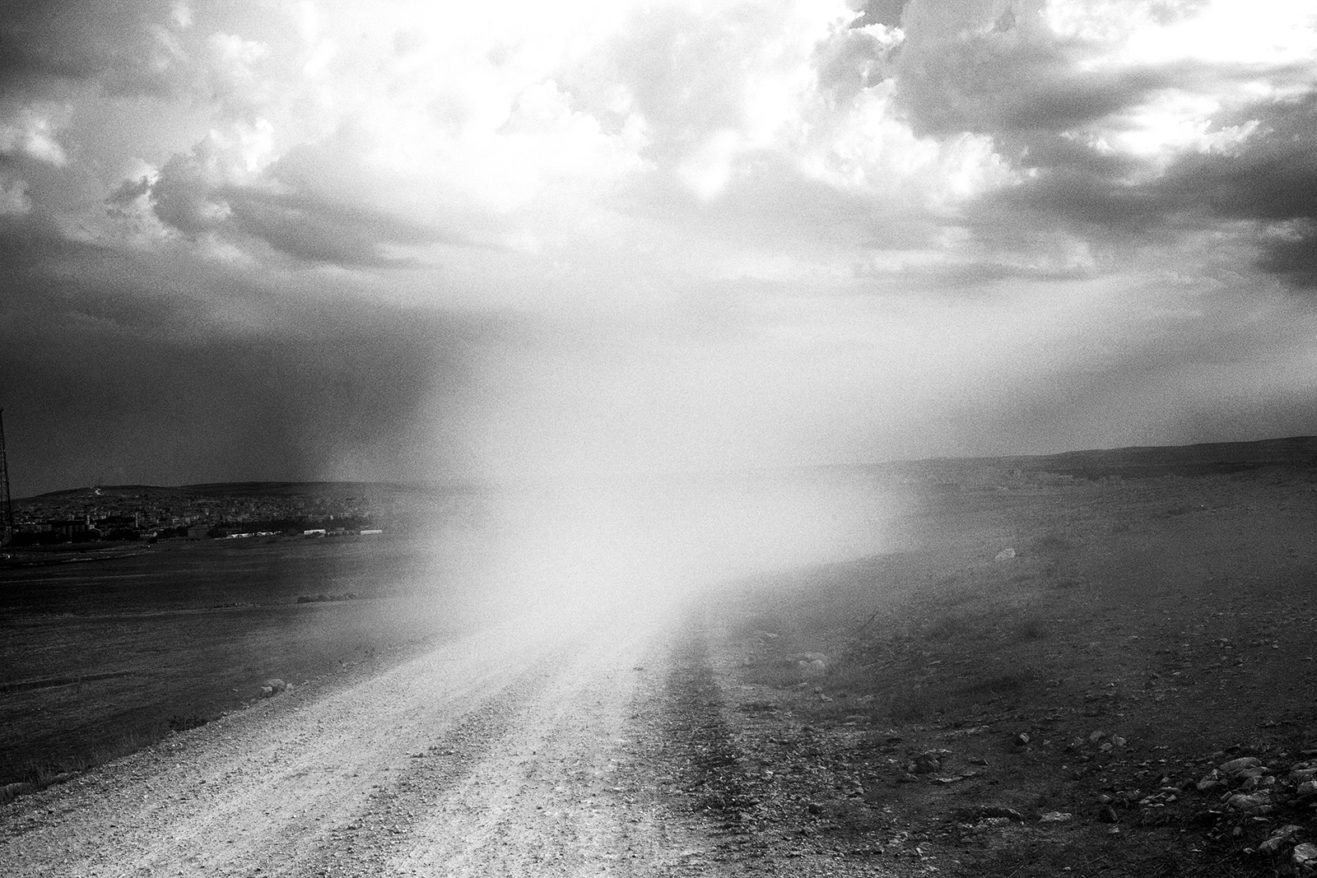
[
  {"x": 1251, "y": 803},
  {"x": 928, "y": 761},
  {"x": 1240, "y": 767},
  {"x": 1278, "y": 839}
]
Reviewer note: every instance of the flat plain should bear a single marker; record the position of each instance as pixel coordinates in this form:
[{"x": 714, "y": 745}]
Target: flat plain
[
  {"x": 101, "y": 657},
  {"x": 1093, "y": 665}
]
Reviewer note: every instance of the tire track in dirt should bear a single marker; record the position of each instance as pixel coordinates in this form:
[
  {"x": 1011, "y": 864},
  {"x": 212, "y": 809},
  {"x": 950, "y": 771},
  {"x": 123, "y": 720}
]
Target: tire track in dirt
[
  {"x": 562, "y": 794},
  {"x": 379, "y": 829},
  {"x": 708, "y": 759}
]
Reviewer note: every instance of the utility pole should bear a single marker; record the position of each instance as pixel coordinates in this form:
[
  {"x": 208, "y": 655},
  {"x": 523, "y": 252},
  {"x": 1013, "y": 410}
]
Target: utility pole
[{"x": 6, "y": 501}]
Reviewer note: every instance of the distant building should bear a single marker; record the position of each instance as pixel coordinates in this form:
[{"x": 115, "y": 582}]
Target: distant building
[{"x": 69, "y": 530}]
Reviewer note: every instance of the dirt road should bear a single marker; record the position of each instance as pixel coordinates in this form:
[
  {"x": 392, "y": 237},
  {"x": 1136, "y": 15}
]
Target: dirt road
[{"x": 494, "y": 755}]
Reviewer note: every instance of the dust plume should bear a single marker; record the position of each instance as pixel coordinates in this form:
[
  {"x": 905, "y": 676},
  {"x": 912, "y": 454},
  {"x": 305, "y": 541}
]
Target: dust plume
[{"x": 556, "y": 556}]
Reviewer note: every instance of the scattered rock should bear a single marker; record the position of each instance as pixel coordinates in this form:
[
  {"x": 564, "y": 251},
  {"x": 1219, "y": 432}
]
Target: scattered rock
[
  {"x": 1210, "y": 781},
  {"x": 1302, "y": 772},
  {"x": 1304, "y": 858},
  {"x": 989, "y": 812},
  {"x": 1244, "y": 766},
  {"x": 273, "y": 687},
  {"x": 810, "y": 664},
  {"x": 928, "y": 762},
  {"x": 1279, "y": 839},
  {"x": 1252, "y": 803},
  {"x": 1055, "y": 817},
  {"x": 1004, "y": 555}
]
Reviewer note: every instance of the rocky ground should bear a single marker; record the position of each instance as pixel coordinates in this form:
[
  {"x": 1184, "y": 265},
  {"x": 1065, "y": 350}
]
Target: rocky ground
[{"x": 1091, "y": 680}]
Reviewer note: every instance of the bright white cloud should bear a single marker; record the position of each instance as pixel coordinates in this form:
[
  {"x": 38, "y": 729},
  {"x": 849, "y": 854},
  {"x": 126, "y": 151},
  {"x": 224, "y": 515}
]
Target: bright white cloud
[
  {"x": 31, "y": 130},
  {"x": 1234, "y": 53},
  {"x": 180, "y": 13},
  {"x": 523, "y": 127}
]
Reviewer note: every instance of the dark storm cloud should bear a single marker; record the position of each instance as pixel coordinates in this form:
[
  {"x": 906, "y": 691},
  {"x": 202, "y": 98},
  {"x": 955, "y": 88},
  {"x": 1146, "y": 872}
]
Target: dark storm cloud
[
  {"x": 31, "y": 239},
  {"x": 1273, "y": 180},
  {"x": 884, "y": 12},
  {"x": 176, "y": 412},
  {"x": 316, "y": 204},
  {"x": 1045, "y": 110},
  {"x": 182, "y": 198},
  {"x": 1293, "y": 258},
  {"x": 110, "y": 370},
  {"x": 313, "y": 229},
  {"x": 118, "y": 45},
  {"x": 1026, "y": 84},
  {"x": 1273, "y": 177},
  {"x": 129, "y": 191},
  {"x": 993, "y": 83},
  {"x": 1270, "y": 179},
  {"x": 306, "y": 225},
  {"x": 1097, "y": 204},
  {"x": 1047, "y": 151}
]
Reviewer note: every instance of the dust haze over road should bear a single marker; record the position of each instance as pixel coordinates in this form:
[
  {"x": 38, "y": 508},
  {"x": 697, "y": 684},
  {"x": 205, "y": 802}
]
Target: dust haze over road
[
  {"x": 566, "y": 550},
  {"x": 533, "y": 744}
]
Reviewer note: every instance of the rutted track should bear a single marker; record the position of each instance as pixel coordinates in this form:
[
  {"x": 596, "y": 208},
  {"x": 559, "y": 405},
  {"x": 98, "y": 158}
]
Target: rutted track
[{"x": 487, "y": 756}]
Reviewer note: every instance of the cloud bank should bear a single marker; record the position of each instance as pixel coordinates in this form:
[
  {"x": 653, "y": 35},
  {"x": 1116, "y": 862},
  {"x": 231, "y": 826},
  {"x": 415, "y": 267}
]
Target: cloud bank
[{"x": 407, "y": 240}]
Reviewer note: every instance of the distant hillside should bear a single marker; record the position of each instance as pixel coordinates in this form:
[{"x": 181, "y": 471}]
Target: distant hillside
[
  {"x": 1204, "y": 459},
  {"x": 258, "y": 489},
  {"x": 107, "y": 491},
  {"x": 1134, "y": 462},
  {"x": 1297, "y": 452},
  {"x": 279, "y": 489}
]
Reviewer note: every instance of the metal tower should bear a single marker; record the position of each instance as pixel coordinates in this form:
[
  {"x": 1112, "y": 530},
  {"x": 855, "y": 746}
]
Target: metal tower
[{"x": 6, "y": 501}]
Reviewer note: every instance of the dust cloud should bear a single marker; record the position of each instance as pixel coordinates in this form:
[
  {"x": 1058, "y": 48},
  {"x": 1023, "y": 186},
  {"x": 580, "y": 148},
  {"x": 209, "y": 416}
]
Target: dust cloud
[{"x": 556, "y": 556}]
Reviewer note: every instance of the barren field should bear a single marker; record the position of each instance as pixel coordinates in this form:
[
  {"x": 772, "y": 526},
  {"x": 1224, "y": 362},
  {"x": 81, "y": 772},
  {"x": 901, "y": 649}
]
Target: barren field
[
  {"x": 101, "y": 657},
  {"x": 1131, "y": 692},
  {"x": 1047, "y": 675}
]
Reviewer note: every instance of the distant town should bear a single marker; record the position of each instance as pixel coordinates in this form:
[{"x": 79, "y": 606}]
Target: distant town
[{"x": 137, "y": 513}]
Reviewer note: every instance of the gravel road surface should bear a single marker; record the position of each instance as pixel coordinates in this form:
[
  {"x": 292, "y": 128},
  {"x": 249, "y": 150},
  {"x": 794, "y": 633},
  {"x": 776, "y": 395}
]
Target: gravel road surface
[{"x": 498, "y": 754}]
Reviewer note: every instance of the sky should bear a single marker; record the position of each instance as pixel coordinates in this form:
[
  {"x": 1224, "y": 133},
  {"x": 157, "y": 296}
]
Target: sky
[{"x": 406, "y": 240}]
